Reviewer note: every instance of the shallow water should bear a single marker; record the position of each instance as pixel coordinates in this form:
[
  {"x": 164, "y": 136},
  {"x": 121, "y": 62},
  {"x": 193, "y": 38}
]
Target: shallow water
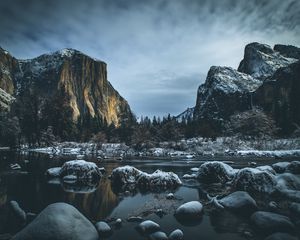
[{"x": 31, "y": 190}]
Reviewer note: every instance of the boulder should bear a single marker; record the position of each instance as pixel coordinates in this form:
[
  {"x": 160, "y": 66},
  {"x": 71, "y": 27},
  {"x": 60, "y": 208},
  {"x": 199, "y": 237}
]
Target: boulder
[
  {"x": 239, "y": 201},
  {"x": 158, "y": 179},
  {"x": 268, "y": 222},
  {"x": 189, "y": 211},
  {"x": 267, "y": 168},
  {"x": 158, "y": 236},
  {"x": 125, "y": 175},
  {"x": 59, "y": 221},
  {"x": 83, "y": 170},
  {"x": 294, "y": 167},
  {"x": 103, "y": 229},
  {"x": 53, "y": 172},
  {"x": 295, "y": 209},
  {"x": 281, "y": 236},
  {"x": 148, "y": 227},
  {"x": 215, "y": 172},
  {"x": 287, "y": 181},
  {"x": 280, "y": 167},
  {"x": 176, "y": 235},
  {"x": 254, "y": 180}
]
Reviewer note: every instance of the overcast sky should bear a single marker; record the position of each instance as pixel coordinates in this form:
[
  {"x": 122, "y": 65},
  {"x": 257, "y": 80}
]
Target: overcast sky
[{"x": 158, "y": 52}]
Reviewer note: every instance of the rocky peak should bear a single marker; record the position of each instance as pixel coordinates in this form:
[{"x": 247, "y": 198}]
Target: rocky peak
[
  {"x": 225, "y": 90},
  {"x": 261, "y": 61},
  {"x": 288, "y": 51}
]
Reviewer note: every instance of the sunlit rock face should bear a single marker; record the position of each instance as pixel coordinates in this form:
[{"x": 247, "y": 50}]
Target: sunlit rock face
[
  {"x": 80, "y": 80},
  {"x": 67, "y": 83},
  {"x": 9, "y": 71}
]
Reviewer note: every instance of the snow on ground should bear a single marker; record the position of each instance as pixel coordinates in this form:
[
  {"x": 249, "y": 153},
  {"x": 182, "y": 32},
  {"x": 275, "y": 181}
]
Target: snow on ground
[{"x": 185, "y": 148}]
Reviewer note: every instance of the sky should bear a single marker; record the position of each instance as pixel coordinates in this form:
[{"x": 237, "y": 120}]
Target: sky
[{"x": 158, "y": 51}]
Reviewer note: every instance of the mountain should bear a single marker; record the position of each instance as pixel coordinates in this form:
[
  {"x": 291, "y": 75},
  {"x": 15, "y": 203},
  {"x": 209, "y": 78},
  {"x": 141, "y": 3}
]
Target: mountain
[
  {"x": 185, "y": 115},
  {"x": 266, "y": 78},
  {"x": 66, "y": 84}
]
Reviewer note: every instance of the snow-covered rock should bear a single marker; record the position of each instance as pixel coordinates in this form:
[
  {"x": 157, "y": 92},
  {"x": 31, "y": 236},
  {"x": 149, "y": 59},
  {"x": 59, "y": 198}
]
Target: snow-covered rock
[
  {"x": 254, "y": 180},
  {"x": 125, "y": 175},
  {"x": 239, "y": 201},
  {"x": 215, "y": 172},
  {"x": 103, "y": 229},
  {"x": 189, "y": 176},
  {"x": 176, "y": 235},
  {"x": 170, "y": 196},
  {"x": 281, "y": 236},
  {"x": 294, "y": 167},
  {"x": 159, "y": 235},
  {"x": 147, "y": 227},
  {"x": 158, "y": 179},
  {"x": 85, "y": 171},
  {"x": 267, "y": 168},
  {"x": 56, "y": 222},
  {"x": 271, "y": 222},
  {"x": 261, "y": 61},
  {"x": 288, "y": 181},
  {"x": 280, "y": 167},
  {"x": 130, "y": 175},
  {"x": 189, "y": 211},
  {"x": 53, "y": 172}
]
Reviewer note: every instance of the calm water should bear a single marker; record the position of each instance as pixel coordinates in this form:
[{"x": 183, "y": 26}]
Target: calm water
[{"x": 32, "y": 191}]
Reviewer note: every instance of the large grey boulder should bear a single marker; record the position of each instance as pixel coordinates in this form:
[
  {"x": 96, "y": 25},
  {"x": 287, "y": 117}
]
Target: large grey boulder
[
  {"x": 268, "y": 222},
  {"x": 59, "y": 221},
  {"x": 281, "y": 236},
  {"x": 125, "y": 175},
  {"x": 239, "y": 201},
  {"x": 189, "y": 211},
  {"x": 215, "y": 172},
  {"x": 82, "y": 170},
  {"x": 280, "y": 167},
  {"x": 254, "y": 180}
]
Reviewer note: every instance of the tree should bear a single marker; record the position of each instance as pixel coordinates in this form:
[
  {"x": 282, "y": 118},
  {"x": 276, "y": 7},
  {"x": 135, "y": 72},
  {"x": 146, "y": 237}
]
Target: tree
[{"x": 254, "y": 123}]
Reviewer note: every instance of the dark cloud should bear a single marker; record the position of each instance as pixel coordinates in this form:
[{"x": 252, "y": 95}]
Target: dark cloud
[{"x": 159, "y": 51}]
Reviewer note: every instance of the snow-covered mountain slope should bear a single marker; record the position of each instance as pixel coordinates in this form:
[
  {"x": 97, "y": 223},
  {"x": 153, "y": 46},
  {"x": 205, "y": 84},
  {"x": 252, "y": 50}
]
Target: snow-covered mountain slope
[{"x": 187, "y": 114}]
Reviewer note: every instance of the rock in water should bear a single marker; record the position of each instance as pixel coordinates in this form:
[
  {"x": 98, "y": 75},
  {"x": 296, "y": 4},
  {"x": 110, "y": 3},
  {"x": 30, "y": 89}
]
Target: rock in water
[
  {"x": 215, "y": 172},
  {"x": 280, "y": 167},
  {"x": 294, "y": 167},
  {"x": 158, "y": 236},
  {"x": 240, "y": 202},
  {"x": 176, "y": 235},
  {"x": 158, "y": 179},
  {"x": 59, "y": 221},
  {"x": 254, "y": 180},
  {"x": 148, "y": 227},
  {"x": 125, "y": 175},
  {"x": 281, "y": 236},
  {"x": 103, "y": 229},
  {"x": 189, "y": 211},
  {"x": 84, "y": 171},
  {"x": 53, "y": 172},
  {"x": 287, "y": 181},
  {"x": 268, "y": 222}
]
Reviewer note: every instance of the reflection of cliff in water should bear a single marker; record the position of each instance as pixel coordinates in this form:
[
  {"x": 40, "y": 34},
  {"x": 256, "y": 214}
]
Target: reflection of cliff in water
[{"x": 98, "y": 204}]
